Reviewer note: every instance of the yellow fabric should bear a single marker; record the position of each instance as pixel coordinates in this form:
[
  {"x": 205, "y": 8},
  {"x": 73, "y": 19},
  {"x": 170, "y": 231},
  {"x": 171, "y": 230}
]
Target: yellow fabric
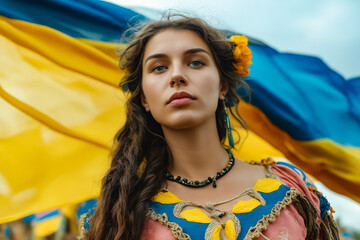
[
  {"x": 50, "y": 226},
  {"x": 267, "y": 185},
  {"x": 245, "y": 206},
  {"x": 106, "y": 47},
  {"x": 60, "y": 108},
  {"x": 250, "y": 146},
  {"x": 216, "y": 233},
  {"x": 70, "y": 213},
  {"x": 335, "y": 166},
  {"x": 195, "y": 215},
  {"x": 166, "y": 198},
  {"x": 230, "y": 232}
]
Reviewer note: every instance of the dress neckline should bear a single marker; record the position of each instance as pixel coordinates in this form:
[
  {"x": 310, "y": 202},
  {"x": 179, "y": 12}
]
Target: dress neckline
[{"x": 270, "y": 183}]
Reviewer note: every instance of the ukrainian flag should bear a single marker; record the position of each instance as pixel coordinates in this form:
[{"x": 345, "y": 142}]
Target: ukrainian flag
[
  {"x": 60, "y": 106},
  {"x": 59, "y": 99},
  {"x": 310, "y": 113}
]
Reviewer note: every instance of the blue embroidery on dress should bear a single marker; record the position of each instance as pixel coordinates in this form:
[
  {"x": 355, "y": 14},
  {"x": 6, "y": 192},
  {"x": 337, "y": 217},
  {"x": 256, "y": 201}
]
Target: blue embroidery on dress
[
  {"x": 295, "y": 169},
  {"x": 247, "y": 220}
]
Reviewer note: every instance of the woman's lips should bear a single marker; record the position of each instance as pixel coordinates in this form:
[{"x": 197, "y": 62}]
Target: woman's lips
[
  {"x": 180, "y": 102},
  {"x": 180, "y": 99}
]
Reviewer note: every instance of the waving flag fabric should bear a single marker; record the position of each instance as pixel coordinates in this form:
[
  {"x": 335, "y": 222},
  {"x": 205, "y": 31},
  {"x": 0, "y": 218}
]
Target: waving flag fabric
[
  {"x": 312, "y": 116},
  {"x": 59, "y": 101},
  {"x": 60, "y": 106}
]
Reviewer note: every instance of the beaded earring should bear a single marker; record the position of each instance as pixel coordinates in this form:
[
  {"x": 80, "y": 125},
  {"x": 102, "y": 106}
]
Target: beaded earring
[{"x": 227, "y": 124}]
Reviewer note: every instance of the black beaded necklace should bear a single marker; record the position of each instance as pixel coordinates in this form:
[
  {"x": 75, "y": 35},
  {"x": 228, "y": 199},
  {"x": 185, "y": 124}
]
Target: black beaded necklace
[{"x": 197, "y": 183}]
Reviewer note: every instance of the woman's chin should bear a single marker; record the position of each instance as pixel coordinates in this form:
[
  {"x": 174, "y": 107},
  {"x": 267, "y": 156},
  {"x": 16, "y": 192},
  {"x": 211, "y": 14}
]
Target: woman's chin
[
  {"x": 185, "y": 122},
  {"x": 180, "y": 125}
]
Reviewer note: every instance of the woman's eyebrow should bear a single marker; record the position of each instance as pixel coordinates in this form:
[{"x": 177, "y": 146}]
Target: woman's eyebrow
[
  {"x": 187, "y": 52},
  {"x": 157, "y": 55},
  {"x": 196, "y": 50}
]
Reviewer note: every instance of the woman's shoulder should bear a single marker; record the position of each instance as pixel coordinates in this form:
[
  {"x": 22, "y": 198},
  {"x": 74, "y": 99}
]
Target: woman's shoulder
[
  {"x": 295, "y": 177},
  {"x": 288, "y": 174}
]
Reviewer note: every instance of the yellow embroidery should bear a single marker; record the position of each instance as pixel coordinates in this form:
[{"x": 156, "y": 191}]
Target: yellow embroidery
[
  {"x": 166, "y": 198},
  {"x": 245, "y": 206},
  {"x": 195, "y": 215},
  {"x": 268, "y": 161},
  {"x": 82, "y": 229},
  {"x": 216, "y": 233},
  {"x": 230, "y": 232},
  {"x": 267, "y": 185}
]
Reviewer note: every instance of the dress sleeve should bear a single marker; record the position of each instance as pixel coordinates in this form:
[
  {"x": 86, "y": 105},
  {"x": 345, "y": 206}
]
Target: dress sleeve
[
  {"x": 154, "y": 230},
  {"x": 293, "y": 176}
]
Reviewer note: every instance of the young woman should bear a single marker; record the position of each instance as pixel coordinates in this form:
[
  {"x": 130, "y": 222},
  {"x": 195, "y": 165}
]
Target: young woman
[{"x": 172, "y": 177}]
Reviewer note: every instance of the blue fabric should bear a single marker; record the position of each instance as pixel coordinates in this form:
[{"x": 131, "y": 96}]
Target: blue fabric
[
  {"x": 85, "y": 207},
  {"x": 96, "y": 20},
  {"x": 347, "y": 234},
  {"x": 88, "y": 215},
  {"x": 28, "y": 219},
  {"x": 304, "y": 97},
  {"x": 7, "y": 231},
  {"x": 195, "y": 230},
  {"x": 249, "y": 220},
  {"x": 324, "y": 205}
]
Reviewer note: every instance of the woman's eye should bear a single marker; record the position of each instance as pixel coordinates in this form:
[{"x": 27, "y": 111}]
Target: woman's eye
[
  {"x": 158, "y": 68},
  {"x": 196, "y": 64}
]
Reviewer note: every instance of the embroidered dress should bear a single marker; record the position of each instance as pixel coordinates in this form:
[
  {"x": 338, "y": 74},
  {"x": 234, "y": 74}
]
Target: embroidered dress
[{"x": 284, "y": 205}]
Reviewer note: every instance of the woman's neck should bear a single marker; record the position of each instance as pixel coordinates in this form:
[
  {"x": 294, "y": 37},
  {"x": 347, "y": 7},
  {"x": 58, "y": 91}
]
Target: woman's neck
[{"x": 197, "y": 152}]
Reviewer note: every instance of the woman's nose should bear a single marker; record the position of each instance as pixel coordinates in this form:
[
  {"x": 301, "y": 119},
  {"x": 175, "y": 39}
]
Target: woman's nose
[{"x": 178, "y": 77}]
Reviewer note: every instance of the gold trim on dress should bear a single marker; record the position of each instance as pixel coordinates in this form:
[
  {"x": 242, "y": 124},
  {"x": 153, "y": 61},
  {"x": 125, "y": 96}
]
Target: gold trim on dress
[{"x": 176, "y": 230}]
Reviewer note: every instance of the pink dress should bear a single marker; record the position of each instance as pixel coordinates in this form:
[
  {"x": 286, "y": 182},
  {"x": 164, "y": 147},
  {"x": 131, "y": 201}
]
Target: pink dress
[{"x": 297, "y": 217}]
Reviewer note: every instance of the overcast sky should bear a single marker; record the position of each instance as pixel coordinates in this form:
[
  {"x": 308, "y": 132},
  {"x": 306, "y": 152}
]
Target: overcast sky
[{"x": 329, "y": 29}]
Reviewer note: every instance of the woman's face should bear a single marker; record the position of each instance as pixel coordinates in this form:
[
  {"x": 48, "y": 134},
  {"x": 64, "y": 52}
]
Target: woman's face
[{"x": 181, "y": 83}]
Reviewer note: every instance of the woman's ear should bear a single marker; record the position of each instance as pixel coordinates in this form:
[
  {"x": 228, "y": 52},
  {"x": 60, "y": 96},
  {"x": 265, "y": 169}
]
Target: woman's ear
[
  {"x": 224, "y": 87},
  {"x": 144, "y": 103}
]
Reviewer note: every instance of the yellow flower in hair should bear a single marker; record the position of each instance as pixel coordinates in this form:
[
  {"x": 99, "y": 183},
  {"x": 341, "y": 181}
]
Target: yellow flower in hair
[{"x": 242, "y": 55}]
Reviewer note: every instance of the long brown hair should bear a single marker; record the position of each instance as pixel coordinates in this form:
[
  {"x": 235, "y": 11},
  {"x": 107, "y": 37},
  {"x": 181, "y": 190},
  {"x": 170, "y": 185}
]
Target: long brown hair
[{"x": 141, "y": 154}]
